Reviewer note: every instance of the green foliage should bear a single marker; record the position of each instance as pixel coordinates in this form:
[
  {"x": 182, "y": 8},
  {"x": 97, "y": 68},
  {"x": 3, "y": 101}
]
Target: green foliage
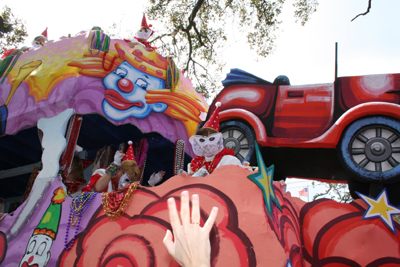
[
  {"x": 18, "y": 33},
  {"x": 304, "y": 8},
  {"x": 195, "y": 31}
]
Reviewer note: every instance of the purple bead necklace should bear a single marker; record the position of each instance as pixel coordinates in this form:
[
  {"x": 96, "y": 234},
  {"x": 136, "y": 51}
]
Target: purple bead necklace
[{"x": 78, "y": 207}]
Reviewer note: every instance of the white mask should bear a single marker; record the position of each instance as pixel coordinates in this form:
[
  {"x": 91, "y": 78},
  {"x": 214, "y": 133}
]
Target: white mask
[
  {"x": 143, "y": 34},
  {"x": 124, "y": 181},
  {"x": 207, "y": 146}
]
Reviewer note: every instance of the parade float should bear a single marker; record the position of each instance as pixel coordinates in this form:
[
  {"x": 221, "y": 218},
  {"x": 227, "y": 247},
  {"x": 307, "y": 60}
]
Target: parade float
[{"x": 92, "y": 92}]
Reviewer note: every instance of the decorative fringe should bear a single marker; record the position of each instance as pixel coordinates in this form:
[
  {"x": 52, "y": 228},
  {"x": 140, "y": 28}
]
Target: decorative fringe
[
  {"x": 74, "y": 126},
  {"x": 100, "y": 42},
  {"x": 172, "y": 75},
  {"x": 141, "y": 156}
]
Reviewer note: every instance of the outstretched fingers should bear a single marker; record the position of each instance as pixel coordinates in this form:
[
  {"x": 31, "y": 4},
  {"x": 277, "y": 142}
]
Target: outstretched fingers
[
  {"x": 195, "y": 209},
  {"x": 211, "y": 220},
  {"x": 173, "y": 215},
  {"x": 185, "y": 211}
]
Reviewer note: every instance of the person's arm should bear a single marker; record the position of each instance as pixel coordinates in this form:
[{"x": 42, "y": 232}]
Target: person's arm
[
  {"x": 112, "y": 169},
  {"x": 190, "y": 245},
  {"x": 102, "y": 183},
  {"x": 229, "y": 160}
]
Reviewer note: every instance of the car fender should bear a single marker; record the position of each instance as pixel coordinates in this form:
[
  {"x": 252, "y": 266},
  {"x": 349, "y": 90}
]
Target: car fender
[
  {"x": 250, "y": 118},
  {"x": 331, "y": 137}
]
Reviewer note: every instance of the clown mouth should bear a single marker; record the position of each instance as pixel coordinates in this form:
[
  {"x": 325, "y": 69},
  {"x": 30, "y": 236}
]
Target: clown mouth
[
  {"x": 117, "y": 101},
  {"x": 25, "y": 264}
]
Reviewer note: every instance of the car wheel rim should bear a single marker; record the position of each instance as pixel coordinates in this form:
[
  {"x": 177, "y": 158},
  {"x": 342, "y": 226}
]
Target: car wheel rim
[
  {"x": 236, "y": 140},
  {"x": 376, "y": 148}
]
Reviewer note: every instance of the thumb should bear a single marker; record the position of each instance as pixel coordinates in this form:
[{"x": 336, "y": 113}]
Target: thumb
[{"x": 168, "y": 243}]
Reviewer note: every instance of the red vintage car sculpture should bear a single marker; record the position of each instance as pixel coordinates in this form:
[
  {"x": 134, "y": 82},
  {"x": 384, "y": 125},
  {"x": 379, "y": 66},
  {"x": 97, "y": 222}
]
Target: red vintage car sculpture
[{"x": 346, "y": 130}]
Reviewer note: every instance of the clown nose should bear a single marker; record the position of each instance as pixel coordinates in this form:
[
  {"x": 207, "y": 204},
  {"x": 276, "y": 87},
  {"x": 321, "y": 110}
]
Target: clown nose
[{"x": 125, "y": 85}]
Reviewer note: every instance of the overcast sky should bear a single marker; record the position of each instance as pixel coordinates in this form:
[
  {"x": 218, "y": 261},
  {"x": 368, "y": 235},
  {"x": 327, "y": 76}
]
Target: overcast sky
[{"x": 369, "y": 45}]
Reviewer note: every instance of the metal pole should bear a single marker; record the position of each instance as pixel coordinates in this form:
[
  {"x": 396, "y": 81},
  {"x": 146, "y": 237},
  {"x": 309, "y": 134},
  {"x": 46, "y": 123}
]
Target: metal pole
[{"x": 336, "y": 60}]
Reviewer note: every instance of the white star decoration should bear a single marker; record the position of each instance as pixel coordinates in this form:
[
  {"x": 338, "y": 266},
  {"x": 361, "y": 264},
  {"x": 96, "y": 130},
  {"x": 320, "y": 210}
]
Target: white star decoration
[{"x": 380, "y": 207}]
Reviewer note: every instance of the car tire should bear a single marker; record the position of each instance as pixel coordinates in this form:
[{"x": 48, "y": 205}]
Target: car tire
[
  {"x": 369, "y": 150},
  {"x": 240, "y": 138}
]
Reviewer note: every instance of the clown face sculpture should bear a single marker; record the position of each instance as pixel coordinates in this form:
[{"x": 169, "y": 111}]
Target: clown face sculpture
[
  {"x": 37, "y": 251},
  {"x": 125, "y": 93}
]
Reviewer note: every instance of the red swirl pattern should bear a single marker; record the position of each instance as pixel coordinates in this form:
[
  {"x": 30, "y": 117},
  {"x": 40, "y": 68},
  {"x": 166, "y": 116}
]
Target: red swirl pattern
[{"x": 135, "y": 239}]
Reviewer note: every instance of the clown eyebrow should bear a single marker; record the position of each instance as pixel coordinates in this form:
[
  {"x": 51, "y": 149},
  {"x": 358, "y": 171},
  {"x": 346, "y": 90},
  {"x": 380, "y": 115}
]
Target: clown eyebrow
[{"x": 146, "y": 76}]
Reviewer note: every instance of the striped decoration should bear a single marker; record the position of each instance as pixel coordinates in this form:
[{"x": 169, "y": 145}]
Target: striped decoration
[
  {"x": 172, "y": 75},
  {"x": 5, "y": 65},
  {"x": 100, "y": 41}
]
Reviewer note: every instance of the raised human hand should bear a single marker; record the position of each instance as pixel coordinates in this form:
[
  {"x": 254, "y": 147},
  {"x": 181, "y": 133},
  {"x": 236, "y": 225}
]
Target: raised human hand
[
  {"x": 155, "y": 178},
  {"x": 118, "y": 157},
  {"x": 191, "y": 246}
]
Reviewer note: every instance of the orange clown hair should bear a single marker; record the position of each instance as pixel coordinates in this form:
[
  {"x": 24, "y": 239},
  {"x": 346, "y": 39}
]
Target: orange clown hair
[{"x": 182, "y": 104}]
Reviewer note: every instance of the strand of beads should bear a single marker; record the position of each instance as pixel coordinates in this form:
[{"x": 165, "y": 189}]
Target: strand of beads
[
  {"x": 78, "y": 207},
  {"x": 115, "y": 213}
]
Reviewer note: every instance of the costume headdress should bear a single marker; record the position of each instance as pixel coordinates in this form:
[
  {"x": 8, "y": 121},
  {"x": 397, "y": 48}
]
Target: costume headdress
[
  {"x": 213, "y": 121},
  {"x": 144, "y": 22},
  {"x": 44, "y": 34},
  {"x": 129, "y": 155},
  {"x": 129, "y": 165},
  {"x": 49, "y": 223}
]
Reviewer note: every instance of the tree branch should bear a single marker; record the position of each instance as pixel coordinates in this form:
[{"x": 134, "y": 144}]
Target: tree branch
[
  {"x": 366, "y": 12},
  {"x": 193, "y": 15},
  {"x": 163, "y": 35},
  {"x": 190, "y": 50},
  {"x": 198, "y": 34}
]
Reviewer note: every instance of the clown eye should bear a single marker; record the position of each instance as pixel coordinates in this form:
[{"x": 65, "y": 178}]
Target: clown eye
[
  {"x": 142, "y": 83},
  {"x": 212, "y": 138},
  {"x": 202, "y": 140},
  {"x": 41, "y": 249},
  {"x": 31, "y": 247},
  {"x": 121, "y": 72}
]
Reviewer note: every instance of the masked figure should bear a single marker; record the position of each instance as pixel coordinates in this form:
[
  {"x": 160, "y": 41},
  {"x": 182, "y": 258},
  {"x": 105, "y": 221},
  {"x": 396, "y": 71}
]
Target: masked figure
[{"x": 208, "y": 145}]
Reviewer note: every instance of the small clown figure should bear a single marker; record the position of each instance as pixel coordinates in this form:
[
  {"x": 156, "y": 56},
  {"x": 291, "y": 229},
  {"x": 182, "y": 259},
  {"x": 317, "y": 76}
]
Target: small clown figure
[
  {"x": 38, "y": 249},
  {"x": 208, "y": 145},
  {"x": 143, "y": 34},
  {"x": 40, "y": 40}
]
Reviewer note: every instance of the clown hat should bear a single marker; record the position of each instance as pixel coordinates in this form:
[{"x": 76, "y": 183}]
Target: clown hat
[
  {"x": 129, "y": 155},
  {"x": 213, "y": 121},
  {"x": 44, "y": 33},
  {"x": 50, "y": 221},
  {"x": 144, "y": 22}
]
